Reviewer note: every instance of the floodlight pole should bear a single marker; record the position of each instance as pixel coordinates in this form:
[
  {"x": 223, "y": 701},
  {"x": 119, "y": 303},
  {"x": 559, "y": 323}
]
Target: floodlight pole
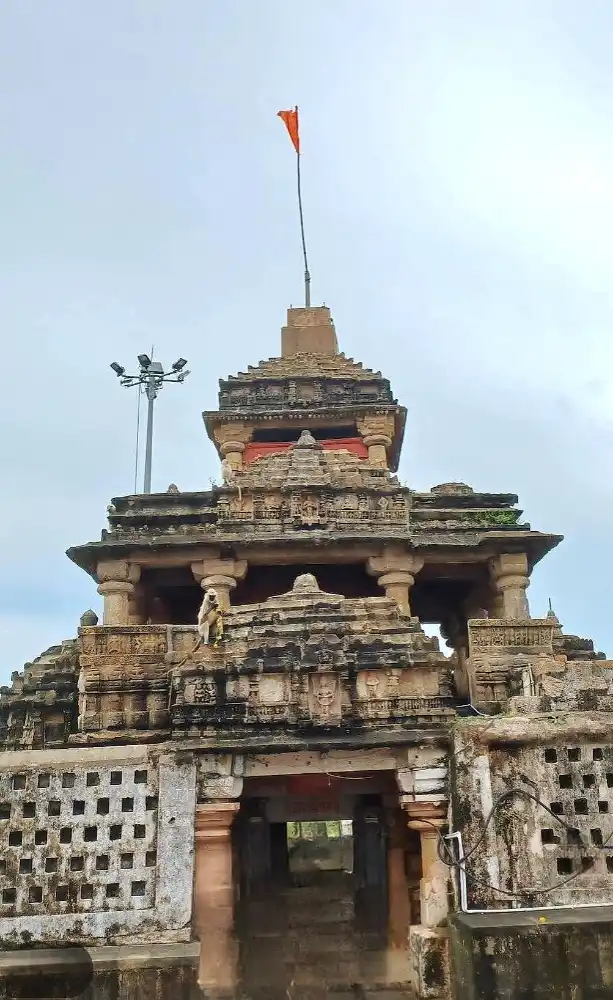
[
  {"x": 151, "y": 377},
  {"x": 151, "y": 391}
]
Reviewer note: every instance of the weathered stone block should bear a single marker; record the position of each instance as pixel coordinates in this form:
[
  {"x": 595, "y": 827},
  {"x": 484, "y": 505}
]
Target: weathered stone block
[{"x": 429, "y": 956}]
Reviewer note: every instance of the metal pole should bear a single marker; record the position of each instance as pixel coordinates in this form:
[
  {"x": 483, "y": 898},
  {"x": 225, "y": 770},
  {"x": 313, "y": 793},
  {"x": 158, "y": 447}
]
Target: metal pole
[
  {"x": 151, "y": 394},
  {"x": 307, "y": 276}
]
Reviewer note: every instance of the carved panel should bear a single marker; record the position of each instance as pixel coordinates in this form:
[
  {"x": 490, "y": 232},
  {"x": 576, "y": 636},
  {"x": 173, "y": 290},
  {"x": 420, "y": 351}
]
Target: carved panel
[
  {"x": 308, "y": 508},
  {"x": 300, "y": 393},
  {"x": 499, "y": 633},
  {"x": 325, "y": 697}
]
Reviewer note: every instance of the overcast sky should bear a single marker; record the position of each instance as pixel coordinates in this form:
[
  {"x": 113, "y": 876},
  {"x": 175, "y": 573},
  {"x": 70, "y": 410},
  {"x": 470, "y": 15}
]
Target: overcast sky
[{"x": 458, "y": 190}]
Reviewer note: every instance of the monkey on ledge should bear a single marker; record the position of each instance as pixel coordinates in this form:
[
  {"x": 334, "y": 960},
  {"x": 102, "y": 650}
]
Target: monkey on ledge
[
  {"x": 210, "y": 620},
  {"x": 210, "y": 624}
]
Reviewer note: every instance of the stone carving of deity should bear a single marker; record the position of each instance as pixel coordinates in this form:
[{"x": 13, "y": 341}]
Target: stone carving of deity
[
  {"x": 205, "y": 692},
  {"x": 325, "y": 694}
]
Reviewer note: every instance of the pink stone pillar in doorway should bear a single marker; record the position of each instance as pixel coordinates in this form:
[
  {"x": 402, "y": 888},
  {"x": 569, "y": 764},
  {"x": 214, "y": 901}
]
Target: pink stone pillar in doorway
[{"x": 214, "y": 896}]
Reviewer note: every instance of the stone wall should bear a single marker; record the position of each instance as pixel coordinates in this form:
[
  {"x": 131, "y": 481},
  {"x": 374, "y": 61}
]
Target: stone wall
[
  {"x": 565, "y": 955},
  {"x": 95, "y": 846},
  {"x": 550, "y": 783}
]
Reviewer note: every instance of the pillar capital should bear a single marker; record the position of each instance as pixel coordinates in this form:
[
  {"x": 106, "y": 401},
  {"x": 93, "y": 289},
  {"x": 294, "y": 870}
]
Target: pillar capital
[
  {"x": 395, "y": 570},
  {"x": 115, "y": 587},
  {"x": 228, "y": 447},
  {"x": 377, "y": 432},
  {"x": 395, "y": 561},
  {"x": 116, "y": 570},
  {"x": 374, "y": 439},
  {"x": 220, "y": 574},
  {"x": 235, "y": 569},
  {"x": 232, "y": 431},
  {"x": 426, "y": 817},
  {"x": 214, "y": 819}
]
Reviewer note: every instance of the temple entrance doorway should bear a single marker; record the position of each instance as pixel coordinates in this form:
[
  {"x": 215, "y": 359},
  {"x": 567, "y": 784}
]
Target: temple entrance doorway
[{"x": 316, "y": 912}]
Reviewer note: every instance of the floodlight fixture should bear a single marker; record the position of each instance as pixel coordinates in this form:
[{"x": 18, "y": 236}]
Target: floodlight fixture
[{"x": 149, "y": 380}]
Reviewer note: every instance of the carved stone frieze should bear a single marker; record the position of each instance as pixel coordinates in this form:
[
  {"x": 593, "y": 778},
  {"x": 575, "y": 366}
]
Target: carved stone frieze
[
  {"x": 497, "y": 633},
  {"x": 309, "y": 508}
]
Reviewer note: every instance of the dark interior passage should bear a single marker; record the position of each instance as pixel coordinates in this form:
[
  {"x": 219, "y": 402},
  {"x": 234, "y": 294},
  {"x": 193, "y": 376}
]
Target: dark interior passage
[
  {"x": 262, "y": 582},
  {"x": 314, "y": 899}
]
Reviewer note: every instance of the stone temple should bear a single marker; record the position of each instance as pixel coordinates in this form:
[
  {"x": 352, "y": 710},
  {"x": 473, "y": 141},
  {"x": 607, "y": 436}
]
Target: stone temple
[{"x": 321, "y": 803}]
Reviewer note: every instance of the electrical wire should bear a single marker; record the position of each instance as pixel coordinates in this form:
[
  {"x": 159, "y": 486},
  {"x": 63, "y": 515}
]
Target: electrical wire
[{"x": 445, "y": 856}]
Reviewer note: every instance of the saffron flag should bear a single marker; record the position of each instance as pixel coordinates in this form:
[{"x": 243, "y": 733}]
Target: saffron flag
[{"x": 291, "y": 123}]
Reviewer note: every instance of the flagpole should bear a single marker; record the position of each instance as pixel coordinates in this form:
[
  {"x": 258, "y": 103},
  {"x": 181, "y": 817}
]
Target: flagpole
[{"x": 307, "y": 276}]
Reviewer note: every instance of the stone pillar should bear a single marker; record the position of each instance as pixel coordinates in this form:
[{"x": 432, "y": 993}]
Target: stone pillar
[
  {"x": 429, "y": 818},
  {"x": 377, "y": 445},
  {"x": 231, "y": 440},
  {"x": 377, "y": 432},
  {"x": 214, "y": 896},
  {"x": 136, "y": 606},
  {"x": 509, "y": 573},
  {"x": 455, "y": 634},
  {"x": 222, "y": 575},
  {"x": 395, "y": 572},
  {"x": 233, "y": 451},
  {"x": 399, "y": 905},
  {"x": 116, "y": 580}
]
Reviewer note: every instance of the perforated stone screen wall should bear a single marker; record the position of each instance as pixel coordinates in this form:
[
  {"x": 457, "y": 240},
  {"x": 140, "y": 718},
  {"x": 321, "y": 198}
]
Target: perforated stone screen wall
[
  {"x": 577, "y": 786},
  {"x": 556, "y": 851},
  {"x": 95, "y": 844}
]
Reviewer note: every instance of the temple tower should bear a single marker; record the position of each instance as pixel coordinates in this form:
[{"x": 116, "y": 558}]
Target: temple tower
[{"x": 276, "y": 800}]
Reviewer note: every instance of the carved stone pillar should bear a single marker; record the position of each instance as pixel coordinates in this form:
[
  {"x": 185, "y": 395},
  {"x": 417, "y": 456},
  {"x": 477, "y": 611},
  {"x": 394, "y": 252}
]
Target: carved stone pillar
[
  {"x": 395, "y": 572},
  {"x": 116, "y": 579},
  {"x": 429, "y": 818},
  {"x": 231, "y": 439},
  {"x": 377, "y": 432},
  {"x": 509, "y": 573},
  {"x": 222, "y": 575},
  {"x": 214, "y": 896}
]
